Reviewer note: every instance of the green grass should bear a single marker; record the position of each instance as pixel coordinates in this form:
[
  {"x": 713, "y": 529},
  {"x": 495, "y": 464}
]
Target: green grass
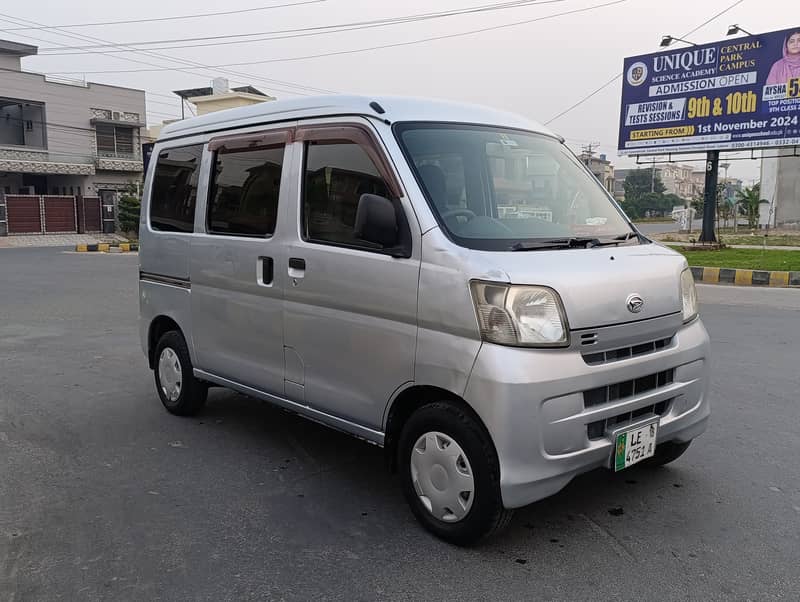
[
  {"x": 655, "y": 220},
  {"x": 782, "y": 240},
  {"x": 746, "y": 259}
]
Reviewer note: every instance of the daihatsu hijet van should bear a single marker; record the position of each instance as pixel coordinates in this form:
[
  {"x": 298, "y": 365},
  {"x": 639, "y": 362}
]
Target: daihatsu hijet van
[{"x": 446, "y": 281}]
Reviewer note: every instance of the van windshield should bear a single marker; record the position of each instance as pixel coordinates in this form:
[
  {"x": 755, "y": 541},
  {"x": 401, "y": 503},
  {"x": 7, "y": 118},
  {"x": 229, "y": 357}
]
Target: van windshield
[{"x": 508, "y": 190}]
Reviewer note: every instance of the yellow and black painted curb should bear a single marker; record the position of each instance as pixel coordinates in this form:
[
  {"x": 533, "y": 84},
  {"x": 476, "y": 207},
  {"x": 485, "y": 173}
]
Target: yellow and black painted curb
[
  {"x": 745, "y": 277},
  {"x": 102, "y": 247}
]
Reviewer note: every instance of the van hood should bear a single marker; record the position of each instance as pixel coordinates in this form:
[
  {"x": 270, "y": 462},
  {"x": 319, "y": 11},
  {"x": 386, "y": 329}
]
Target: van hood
[{"x": 595, "y": 284}]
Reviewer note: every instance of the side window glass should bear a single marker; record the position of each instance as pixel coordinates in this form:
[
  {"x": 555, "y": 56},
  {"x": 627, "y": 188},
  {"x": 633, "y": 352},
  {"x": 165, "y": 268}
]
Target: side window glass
[
  {"x": 336, "y": 175},
  {"x": 174, "y": 191},
  {"x": 244, "y": 191}
]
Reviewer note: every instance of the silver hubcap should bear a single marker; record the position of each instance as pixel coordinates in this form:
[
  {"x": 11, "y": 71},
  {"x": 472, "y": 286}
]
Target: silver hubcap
[
  {"x": 169, "y": 374},
  {"x": 442, "y": 476}
]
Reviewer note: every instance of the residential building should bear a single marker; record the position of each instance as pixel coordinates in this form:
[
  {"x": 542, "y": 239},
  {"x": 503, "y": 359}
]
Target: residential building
[
  {"x": 220, "y": 96},
  {"x": 780, "y": 186},
  {"x": 698, "y": 182},
  {"x": 70, "y": 139},
  {"x": 601, "y": 167},
  {"x": 677, "y": 180}
]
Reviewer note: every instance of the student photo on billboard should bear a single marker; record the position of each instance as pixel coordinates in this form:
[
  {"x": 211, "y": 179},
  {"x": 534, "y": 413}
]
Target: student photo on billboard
[{"x": 787, "y": 67}]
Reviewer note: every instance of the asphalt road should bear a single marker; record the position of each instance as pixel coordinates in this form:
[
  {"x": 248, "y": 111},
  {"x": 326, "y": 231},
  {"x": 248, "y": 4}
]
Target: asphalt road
[
  {"x": 104, "y": 496},
  {"x": 660, "y": 228}
]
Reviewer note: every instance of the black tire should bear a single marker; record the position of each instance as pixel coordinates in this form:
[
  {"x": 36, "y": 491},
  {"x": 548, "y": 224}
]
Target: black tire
[
  {"x": 486, "y": 515},
  {"x": 193, "y": 393},
  {"x": 666, "y": 453}
]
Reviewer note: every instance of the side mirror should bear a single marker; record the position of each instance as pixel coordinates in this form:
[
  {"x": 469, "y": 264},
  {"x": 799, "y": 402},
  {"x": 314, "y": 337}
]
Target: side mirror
[{"x": 382, "y": 222}]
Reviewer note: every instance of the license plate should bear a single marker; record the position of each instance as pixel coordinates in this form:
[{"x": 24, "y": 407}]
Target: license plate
[{"x": 635, "y": 445}]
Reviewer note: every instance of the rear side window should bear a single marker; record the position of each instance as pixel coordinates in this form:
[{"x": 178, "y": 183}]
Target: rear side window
[
  {"x": 174, "y": 194},
  {"x": 244, "y": 192},
  {"x": 336, "y": 176}
]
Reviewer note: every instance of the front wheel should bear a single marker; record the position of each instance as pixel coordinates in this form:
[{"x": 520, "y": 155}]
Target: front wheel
[
  {"x": 450, "y": 474},
  {"x": 180, "y": 392}
]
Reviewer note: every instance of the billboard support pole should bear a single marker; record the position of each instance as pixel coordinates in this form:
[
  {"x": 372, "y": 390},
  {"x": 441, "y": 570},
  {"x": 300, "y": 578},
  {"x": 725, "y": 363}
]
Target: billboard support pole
[{"x": 710, "y": 197}]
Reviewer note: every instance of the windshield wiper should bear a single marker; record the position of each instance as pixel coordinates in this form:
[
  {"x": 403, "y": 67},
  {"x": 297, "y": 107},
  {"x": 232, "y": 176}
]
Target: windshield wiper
[
  {"x": 570, "y": 243},
  {"x": 615, "y": 240},
  {"x": 554, "y": 243}
]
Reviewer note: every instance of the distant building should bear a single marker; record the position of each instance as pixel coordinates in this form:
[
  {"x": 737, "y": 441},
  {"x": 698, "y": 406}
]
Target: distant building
[
  {"x": 602, "y": 169},
  {"x": 65, "y": 138},
  {"x": 221, "y": 96},
  {"x": 698, "y": 182},
  {"x": 780, "y": 185},
  {"x": 677, "y": 179}
]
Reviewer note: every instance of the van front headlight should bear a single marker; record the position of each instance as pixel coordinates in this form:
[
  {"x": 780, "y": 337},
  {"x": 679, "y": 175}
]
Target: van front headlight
[
  {"x": 689, "y": 296},
  {"x": 524, "y": 316}
]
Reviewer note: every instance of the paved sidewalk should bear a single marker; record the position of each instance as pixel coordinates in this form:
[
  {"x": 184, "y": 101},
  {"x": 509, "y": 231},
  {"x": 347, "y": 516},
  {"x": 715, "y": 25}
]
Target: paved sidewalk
[{"x": 57, "y": 240}]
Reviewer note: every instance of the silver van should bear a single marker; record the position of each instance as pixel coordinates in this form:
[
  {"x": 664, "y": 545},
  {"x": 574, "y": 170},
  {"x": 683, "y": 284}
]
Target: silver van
[{"x": 446, "y": 281}]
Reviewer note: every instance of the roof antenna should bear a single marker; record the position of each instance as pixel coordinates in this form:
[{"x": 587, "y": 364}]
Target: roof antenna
[{"x": 377, "y": 108}]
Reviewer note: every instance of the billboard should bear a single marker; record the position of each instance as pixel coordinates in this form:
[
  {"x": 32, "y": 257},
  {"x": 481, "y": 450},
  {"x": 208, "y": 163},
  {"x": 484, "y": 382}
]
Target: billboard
[{"x": 742, "y": 93}]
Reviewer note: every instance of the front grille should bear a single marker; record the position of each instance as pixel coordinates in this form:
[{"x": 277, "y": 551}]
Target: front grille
[
  {"x": 629, "y": 388},
  {"x": 597, "y": 429},
  {"x": 622, "y": 353}
]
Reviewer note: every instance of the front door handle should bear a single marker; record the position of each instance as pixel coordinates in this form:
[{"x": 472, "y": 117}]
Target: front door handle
[{"x": 297, "y": 269}]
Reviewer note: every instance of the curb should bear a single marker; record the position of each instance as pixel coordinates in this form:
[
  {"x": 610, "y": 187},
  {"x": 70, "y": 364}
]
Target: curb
[
  {"x": 739, "y": 277},
  {"x": 123, "y": 247}
]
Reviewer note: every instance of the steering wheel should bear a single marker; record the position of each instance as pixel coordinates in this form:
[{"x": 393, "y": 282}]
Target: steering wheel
[{"x": 458, "y": 213}]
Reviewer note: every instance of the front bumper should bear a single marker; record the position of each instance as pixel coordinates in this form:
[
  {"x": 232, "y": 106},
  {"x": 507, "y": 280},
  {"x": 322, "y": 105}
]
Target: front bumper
[{"x": 533, "y": 402}]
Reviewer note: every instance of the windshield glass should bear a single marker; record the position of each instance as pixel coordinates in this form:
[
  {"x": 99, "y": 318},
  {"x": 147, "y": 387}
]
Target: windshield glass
[{"x": 498, "y": 189}]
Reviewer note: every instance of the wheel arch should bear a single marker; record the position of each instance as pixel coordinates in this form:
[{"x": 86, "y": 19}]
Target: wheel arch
[
  {"x": 158, "y": 327},
  {"x": 406, "y": 402}
]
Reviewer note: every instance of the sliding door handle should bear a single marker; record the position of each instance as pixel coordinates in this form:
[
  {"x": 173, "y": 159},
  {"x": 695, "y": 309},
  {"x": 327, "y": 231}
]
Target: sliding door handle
[
  {"x": 265, "y": 271},
  {"x": 296, "y": 263}
]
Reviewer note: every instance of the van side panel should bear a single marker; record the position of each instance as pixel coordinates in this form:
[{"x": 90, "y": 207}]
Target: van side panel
[
  {"x": 447, "y": 345},
  {"x": 155, "y": 300},
  {"x": 161, "y": 252},
  {"x": 164, "y": 278}
]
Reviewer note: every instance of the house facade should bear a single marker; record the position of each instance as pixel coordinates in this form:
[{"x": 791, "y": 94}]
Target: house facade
[{"x": 65, "y": 139}]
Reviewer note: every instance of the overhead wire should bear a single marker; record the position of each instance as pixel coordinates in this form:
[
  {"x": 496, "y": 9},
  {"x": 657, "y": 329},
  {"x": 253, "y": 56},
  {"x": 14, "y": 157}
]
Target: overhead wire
[
  {"x": 193, "y": 64},
  {"x": 377, "y": 47},
  {"x": 301, "y": 32},
  {"x": 161, "y": 19}
]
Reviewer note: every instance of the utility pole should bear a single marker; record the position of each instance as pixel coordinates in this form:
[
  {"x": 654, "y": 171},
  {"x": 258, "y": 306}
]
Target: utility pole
[
  {"x": 653, "y": 176},
  {"x": 587, "y": 151},
  {"x": 710, "y": 197}
]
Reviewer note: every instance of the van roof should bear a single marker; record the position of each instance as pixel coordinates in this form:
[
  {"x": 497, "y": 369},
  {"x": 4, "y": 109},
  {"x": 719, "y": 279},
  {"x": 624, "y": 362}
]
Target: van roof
[{"x": 396, "y": 109}]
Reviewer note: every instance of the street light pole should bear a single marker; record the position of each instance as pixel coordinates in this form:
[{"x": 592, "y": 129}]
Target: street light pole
[{"x": 710, "y": 197}]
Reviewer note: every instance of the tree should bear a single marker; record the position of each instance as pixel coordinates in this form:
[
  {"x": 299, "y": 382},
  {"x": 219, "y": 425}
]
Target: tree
[
  {"x": 749, "y": 201},
  {"x": 642, "y": 181},
  {"x": 129, "y": 209},
  {"x": 644, "y": 191}
]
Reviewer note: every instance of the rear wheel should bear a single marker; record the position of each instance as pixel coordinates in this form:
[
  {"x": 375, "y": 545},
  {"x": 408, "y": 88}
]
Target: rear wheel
[
  {"x": 180, "y": 392},
  {"x": 666, "y": 453},
  {"x": 450, "y": 474}
]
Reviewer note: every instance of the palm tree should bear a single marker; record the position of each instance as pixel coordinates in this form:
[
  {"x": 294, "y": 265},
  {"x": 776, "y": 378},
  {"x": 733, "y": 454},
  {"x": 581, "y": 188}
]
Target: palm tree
[{"x": 749, "y": 200}]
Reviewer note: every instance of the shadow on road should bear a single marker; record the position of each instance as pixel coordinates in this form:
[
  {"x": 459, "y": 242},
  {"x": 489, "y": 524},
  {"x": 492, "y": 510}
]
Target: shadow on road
[{"x": 355, "y": 467}]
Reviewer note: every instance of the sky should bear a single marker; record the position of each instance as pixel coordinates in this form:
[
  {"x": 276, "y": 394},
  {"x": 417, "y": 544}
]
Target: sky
[{"x": 537, "y": 69}]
